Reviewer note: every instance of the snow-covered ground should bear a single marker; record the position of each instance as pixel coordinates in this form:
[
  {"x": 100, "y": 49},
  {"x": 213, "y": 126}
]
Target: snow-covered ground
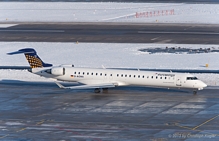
[
  {"x": 107, "y": 54},
  {"x": 108, "y": 12}
]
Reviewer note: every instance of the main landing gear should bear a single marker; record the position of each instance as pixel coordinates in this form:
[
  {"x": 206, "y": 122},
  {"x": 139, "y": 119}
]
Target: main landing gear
[
  {"x": 104, "y": 90},
  {"x": 194, "y": 92},
  {"x": 97, "y": 90}
]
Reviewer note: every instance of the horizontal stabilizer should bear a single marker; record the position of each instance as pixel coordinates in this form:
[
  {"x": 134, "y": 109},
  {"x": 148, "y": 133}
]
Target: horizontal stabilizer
[
  {"x": 93, "y": 86},
  {"x": 15, "y": 67},
  {"x": 20, "y": 52}
]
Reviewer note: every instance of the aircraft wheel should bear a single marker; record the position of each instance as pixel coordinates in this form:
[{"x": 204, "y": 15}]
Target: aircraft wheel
[
  {"x": 105, "y": 90},
  {"x": 194, "y": 92},
  {"x": 97, "y": 90}
]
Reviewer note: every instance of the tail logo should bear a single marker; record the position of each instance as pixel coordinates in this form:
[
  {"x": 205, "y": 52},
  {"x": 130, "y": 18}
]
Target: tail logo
[{"x": 34, "y": 62}]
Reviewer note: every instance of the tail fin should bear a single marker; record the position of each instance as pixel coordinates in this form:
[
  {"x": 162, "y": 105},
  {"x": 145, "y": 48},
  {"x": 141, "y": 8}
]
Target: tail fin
[{"x": 32, "y": 57}]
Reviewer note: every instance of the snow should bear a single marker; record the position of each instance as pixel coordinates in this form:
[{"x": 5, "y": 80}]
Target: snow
[
  {"x": 108, "y": 12},
  {"x": 6, "y": 25},
  {"x": 14, "y": 123},
  {"x": 107, "y": 54},
  {"x": 120, "y": 55}
]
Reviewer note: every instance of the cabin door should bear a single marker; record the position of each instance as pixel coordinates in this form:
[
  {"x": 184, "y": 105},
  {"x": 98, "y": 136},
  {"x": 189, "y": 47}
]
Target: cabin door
[{"x": 178, "y": 81}]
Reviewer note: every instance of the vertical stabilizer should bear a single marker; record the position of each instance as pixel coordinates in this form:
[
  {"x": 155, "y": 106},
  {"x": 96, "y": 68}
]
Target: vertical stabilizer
[{"x": 32, "y": 58}]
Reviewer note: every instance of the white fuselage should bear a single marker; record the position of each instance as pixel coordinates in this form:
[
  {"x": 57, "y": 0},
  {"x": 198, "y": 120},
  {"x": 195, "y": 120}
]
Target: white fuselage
[{"x": 120, "y": 77}]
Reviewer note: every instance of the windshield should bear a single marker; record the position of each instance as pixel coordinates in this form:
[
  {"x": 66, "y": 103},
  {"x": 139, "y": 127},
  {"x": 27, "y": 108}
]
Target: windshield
[{"x": 191, "y": 78}]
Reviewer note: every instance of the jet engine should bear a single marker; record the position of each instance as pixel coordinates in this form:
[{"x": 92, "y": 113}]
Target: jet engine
[{"x": 56, "y": 71}]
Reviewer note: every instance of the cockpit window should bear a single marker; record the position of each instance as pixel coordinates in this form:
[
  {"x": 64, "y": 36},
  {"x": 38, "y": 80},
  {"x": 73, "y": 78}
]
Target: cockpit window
[{"x": 191, "y": 78}]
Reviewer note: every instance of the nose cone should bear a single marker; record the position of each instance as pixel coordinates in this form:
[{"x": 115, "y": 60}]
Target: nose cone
[{"x": 202, "y": 84}]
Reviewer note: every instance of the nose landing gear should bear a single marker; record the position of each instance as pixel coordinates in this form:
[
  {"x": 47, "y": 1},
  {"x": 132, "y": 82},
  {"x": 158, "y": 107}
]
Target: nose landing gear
[{"x": 194, "y": 92}]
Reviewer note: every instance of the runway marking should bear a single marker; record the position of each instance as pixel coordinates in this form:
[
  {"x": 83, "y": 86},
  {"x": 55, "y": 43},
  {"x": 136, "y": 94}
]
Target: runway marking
[
  {"x": 205, "y": 122},
  {"x": 4, "y": 136},
  {"x": 22, "y": 129},
  {"x": 155, "y": 38},
  {"x": 44, "y": 31},
  {"x": 178, "y": 125},
  {"x": 114, "y": 18},
  {"x": 41, "y": 122},
  {"x": 77, "y": 134},
  {"x": 195, "y": 33}
]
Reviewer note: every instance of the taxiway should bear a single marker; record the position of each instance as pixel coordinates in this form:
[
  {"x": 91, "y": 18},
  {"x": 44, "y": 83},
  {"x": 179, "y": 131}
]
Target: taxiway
[
  {"x": 112, "y": 33},
  {"x": 42, "y": 111}
]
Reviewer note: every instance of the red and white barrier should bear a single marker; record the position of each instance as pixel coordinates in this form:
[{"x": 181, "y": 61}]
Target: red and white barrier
[{"x": 154, "y": 13}]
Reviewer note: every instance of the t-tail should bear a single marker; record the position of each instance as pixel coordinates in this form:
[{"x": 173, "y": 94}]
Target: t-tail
[{"x": 32, "y": 57}]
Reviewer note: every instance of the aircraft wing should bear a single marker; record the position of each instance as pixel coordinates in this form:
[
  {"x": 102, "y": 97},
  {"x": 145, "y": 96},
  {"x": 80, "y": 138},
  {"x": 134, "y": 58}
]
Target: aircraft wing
[{"x": 92, "y": 86}]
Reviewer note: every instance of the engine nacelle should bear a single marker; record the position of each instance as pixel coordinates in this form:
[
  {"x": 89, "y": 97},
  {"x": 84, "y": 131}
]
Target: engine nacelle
[
  {"x": 56, "y": 71},
  {"x": 65, "y": 65}
]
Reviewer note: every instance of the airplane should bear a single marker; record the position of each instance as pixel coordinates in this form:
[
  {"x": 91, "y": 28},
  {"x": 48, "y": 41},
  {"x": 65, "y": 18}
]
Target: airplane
[{"x": 102, "y": 78}]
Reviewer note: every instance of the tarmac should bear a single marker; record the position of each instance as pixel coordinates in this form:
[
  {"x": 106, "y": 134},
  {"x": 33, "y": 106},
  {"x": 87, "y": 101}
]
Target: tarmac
[
  {"x": 41, "y": 111},
  {"x": 112, "y": 33}
]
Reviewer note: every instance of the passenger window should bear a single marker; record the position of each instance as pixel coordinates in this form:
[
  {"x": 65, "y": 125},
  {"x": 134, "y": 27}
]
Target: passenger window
[
  {"x": 117, "y": 75},
  {"x": 147, "y": 76},
  {"x": 126, "y": 75},
  {"x": 100, "y": 74},
  {"x": 156, "y": 77},
  {"x": 92, "y": 73},
  {"x": 78, "y": 72},
  {"x": 87, "y": 73},
  {"x": 111, "y": 74},
  {"x": 121, "y": 75},
  {"x": 83, "y": 73},
  {"x": 138, "y": 76},
  {"x": 151, "y": 77},
  {"x": 105, "y": 74},
  {"x": 165, "y": 77},
  {"x": 75, "y": 72},
  {"x": 96, "y": 73},
  {"x": 143, "y": 76},
  {"x": 134, "y": 76},
  {"x": 160, "y": 77},
  {"x": 130, "y": 75}
]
